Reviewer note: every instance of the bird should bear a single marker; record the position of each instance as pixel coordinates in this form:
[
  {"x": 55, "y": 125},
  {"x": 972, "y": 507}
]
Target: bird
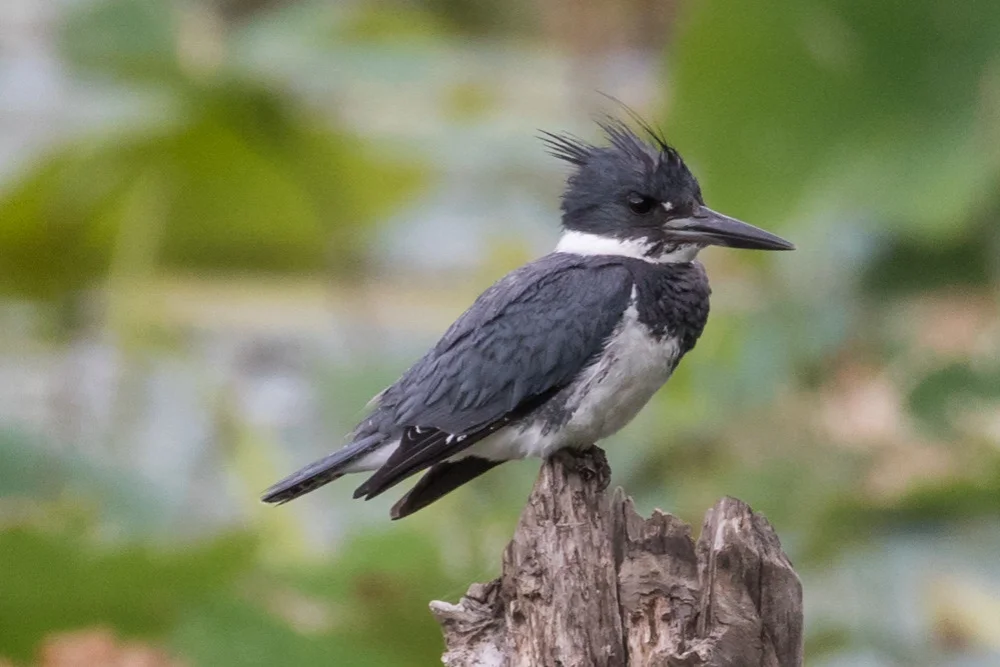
[{"x": 563, "y": 351}]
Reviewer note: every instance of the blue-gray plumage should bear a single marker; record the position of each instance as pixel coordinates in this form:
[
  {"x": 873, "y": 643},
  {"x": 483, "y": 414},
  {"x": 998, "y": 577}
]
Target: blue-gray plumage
[{"x": 563, "y": 351}]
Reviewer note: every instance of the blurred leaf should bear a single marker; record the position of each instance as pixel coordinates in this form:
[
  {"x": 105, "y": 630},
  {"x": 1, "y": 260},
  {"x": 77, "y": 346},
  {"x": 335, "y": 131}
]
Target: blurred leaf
[
  {"x": 873, "y": 106},
  {"x": 935, "y": 399},
  {"x": 481, "y": 17},
  {"x": 247, "y": 180},
  {"x": 904, "y": 264},
  {"x": 387, "y": 595},
  {"x": 54, "y": 582},
  {"x": 247, "y": 183},
  {"x": 50, "y": 239},
  {"x": 130, "y": 40},
  {"x": 372, "y": 600},
  {"x": 227, "y": 632},
  {"x": 827, "y": 641},
  {"x": 390, "y": 25},
  {"x": 851, "y": 519}
]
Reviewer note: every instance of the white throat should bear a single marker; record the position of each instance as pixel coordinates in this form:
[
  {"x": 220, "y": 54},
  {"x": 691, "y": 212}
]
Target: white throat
[{"x": 582, "y": 243}]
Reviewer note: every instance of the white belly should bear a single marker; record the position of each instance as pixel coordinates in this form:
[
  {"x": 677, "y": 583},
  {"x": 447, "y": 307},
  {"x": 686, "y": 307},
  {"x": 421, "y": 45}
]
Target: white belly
[
  {"x": 606, "y": 397},
  {"x": 611, "y": 392}
]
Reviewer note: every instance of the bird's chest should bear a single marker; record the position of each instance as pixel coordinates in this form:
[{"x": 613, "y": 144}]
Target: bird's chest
[{"x": 635, "y": 363}]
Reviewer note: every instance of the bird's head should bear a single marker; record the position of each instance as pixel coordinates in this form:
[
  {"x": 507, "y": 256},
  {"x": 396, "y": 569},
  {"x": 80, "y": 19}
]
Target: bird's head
[{"x": 637, "y": 197}]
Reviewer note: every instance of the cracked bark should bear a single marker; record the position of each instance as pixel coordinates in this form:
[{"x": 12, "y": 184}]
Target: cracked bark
[{"x": 587, "y": 581}]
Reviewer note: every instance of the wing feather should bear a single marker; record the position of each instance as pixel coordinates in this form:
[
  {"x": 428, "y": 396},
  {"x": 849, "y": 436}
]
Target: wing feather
[{"x": 523, "y": 340}]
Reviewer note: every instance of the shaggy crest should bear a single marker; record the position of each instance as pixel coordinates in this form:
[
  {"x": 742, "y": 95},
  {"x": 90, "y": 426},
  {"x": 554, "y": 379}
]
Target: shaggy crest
[{"x": 578, "y": 152}]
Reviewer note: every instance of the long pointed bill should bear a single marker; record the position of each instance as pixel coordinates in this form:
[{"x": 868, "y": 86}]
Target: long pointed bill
[{"x": 707, "y": 226}]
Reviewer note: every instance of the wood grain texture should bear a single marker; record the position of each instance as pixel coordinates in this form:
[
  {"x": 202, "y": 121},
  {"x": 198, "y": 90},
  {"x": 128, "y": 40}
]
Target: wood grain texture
[{"x": 587, "y": 581}]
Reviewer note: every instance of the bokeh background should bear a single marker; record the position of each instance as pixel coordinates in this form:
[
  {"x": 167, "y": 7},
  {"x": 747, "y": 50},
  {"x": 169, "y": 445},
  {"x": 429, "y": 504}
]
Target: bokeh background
[{"x": 225, "y": 224}]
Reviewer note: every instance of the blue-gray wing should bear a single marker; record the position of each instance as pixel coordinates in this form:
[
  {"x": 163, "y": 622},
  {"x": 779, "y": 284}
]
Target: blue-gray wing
[{"x": 525, "y": 338}]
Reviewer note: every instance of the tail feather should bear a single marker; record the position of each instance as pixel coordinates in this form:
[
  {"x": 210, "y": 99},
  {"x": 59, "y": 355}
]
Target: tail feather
[
  {"x": 318, "y": 473},
  {"x": 441, "y": 479}
]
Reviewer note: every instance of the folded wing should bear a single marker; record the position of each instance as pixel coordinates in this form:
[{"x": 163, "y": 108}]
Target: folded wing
[{"x": 523, "y": 340}]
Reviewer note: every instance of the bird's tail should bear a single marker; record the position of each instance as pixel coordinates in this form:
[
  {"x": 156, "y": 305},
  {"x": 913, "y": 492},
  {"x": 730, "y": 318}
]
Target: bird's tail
[{"x": 321, "y": 472}]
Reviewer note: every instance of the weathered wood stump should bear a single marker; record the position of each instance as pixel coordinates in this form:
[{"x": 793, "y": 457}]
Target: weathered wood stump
[{"x": 587, "y": 581}]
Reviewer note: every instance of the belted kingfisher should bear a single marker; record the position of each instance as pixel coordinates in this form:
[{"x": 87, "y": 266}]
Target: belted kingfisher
[{"x": 563, "y": 351}]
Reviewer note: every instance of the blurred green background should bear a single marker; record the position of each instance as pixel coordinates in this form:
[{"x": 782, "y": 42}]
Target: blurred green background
[{"x": 225, "y": 224}]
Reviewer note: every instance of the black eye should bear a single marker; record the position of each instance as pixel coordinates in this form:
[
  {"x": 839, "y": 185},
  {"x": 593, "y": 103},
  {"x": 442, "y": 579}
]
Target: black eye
[{"x": 639, "y": 204}]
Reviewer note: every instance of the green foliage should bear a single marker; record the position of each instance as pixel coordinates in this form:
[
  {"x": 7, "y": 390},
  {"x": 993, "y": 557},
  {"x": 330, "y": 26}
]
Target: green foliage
[
  {"x": 214, "y": 604},
  {"x": 850, "y": 520},
  {"x": 383, "y": 582},
  {"x": 875, "y": 108},
  {"x": 242, "y": 178},
  {"x": 481, "y": 17},
  {"x": 125, "y": 40},
  {"x": 371, "y": 25},
  {"x": 942, "y": 396},
  {"x": 214, "y": 601},
  {"x": 906, "y": 265},
  {"x": 62, "y": 582}
]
